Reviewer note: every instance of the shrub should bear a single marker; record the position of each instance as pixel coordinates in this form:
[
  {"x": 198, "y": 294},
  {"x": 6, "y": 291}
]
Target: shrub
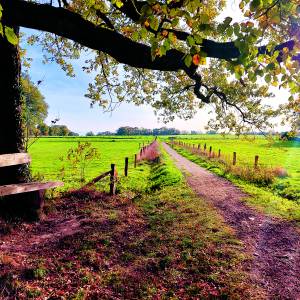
[{"x": 78, "y": 159}]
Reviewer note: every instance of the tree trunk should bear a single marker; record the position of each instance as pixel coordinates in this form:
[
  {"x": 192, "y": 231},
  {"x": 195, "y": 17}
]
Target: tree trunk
[{"x": 11, "y": 132}]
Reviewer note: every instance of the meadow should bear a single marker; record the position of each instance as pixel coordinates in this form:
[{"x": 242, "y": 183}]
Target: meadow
[
  {"x": 47, "y": 151},
  {"x": 46, "y": 156},
  {"x": 272, "y": 152}
]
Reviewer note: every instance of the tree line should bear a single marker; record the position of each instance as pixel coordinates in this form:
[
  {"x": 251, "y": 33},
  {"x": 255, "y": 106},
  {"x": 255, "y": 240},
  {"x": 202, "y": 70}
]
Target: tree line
[{"x": 127, "y": 130}]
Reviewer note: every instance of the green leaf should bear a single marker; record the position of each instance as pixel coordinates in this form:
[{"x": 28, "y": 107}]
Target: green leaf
[
  {"x": 255, "y": 4},
  {"x": 268, "y": 78},
  {"x": 204, "y": 18},
  {"x": 143, "y": 33},
  {"x": 119, "y": 3},
  {"x": 236, "y": 29},
  {"x": 154, "y": 23},
  {"x": 10, "y": 35},
  {"x": 188, "y": 60},
  {"x": 229, "y": 31},
  {"x": 1, "y": 29},
  {"x": 227, "y": 21},
  {"x": 135, "y": 35},
  {"x": 198, "y": 39},
  {"x": 167, "y": 44},
  {"x": 190, "y": 41}
]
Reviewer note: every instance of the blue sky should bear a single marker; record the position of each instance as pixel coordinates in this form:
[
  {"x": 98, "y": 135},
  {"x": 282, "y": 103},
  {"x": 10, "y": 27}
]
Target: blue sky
[{"x": 65, "y": 97}]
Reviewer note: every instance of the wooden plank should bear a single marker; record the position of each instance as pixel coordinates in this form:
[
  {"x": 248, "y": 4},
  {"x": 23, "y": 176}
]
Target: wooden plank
[
  {"x": 95, "y": 180},
  {"x": 19, "y": 188},
  {"x": 14, "y": 159}
]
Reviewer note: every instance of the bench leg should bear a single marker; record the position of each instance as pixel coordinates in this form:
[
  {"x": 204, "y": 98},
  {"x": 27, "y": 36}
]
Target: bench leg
[{"x": 27, "y": 206}]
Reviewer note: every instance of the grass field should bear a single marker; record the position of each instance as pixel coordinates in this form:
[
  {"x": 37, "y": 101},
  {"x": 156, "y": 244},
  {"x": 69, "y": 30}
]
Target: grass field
[
  {"x": 273, "y": 153},
  {"x": 277, "y": 153},
  {"x": 165, "y": 243},
  {"x": 46, "y": 153}
]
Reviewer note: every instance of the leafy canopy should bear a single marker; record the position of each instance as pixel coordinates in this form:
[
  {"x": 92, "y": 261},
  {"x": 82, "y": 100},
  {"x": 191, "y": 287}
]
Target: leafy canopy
[{"x": 225, "y": 64}]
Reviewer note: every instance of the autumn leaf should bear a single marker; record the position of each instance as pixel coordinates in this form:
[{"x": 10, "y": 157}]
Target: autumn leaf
[
  {"x": 146, "y": 23},
  {"x": 196, "y": 59}
]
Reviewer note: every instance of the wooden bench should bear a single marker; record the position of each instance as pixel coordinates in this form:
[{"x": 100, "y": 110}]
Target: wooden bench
[{"x": 7, "y": 160}]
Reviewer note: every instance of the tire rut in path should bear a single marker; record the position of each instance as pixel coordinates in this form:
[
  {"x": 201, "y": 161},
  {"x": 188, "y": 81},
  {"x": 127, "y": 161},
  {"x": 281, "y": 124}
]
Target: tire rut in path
[{"x": 274, "y": 244}]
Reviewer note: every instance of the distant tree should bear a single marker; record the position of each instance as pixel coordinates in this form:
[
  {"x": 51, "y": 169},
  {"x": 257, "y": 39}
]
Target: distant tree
[
  {"x": 35, "y": 110},
  {"x": 105, "y": 133},
  {"x": 58, "y": 130},
  {"x": 64, "y": 130},
  {"x": 124, "y": 130},
  {"x": 211, "y": 132},
  {"x": 90, "y": 133},
  {"x": 288, "y": 135},
  {"x": 43, "y": 129},
  {"x": 71, "y": 133},
  {"x": 127, "y": 130},
  {"x": 195, "y": 132}
]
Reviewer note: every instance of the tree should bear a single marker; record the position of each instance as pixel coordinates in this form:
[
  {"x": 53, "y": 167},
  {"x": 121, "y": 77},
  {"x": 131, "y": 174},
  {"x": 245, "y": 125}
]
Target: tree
[
  {"x": 162, "y": 47},
  {"x": 58, "y": 130},
  {"x": 72, "y": 133},
  {"x": 90, "y": 133},
  {"x": 35, "y": 109},
  {"x": 43, "y": 129},
  {"x": 177, "y": 36}
]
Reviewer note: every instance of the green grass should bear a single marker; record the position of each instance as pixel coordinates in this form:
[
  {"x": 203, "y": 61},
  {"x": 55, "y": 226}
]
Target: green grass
[
  {"x": 196, "y": 237},
  {"x": 165, "y": 173},
  {"x": 47, "y": 151},
  {"x": 272, "y": 153},
  {"x": 261, "y": 198},
  {"x": 163, "y": 242}
]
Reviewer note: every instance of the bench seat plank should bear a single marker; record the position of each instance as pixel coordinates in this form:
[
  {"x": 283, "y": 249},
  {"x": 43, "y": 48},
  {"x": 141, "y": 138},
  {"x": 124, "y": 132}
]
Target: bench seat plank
[
  {"x": 12, "y": 189},
  {"x": 14, "y": 159}
]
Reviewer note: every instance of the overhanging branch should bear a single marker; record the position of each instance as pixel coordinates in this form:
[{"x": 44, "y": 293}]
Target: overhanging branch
[{"x": 70, "y": 25}]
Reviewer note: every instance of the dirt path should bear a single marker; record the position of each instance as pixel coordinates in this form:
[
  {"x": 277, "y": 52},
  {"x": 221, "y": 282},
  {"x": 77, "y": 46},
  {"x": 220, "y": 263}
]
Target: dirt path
[{"x": 275, "y": 244}]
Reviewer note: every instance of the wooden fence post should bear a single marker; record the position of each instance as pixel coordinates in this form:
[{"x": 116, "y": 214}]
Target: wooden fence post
[
  {"x": 126, "y": 167},
  {"x": 204, "y": 147},
  {"x": 198, "y": 147},
  {"x": 210, "y": 149},
  {"x": 135, "y": 160},
  {"x": 234, "y": 158},
  {"x": 112, "y": 180},
  {"x": 256, "y": 161},
  {"x": 219, "y": 153}
]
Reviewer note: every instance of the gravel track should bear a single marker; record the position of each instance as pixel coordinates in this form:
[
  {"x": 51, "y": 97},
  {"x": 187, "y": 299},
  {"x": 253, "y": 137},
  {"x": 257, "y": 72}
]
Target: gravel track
[{"x": 273, "y": 243}]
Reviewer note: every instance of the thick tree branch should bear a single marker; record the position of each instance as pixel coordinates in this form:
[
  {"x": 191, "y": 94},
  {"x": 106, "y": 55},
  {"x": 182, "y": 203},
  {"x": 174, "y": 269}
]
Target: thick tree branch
[{"x": 70, "y": 25}]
